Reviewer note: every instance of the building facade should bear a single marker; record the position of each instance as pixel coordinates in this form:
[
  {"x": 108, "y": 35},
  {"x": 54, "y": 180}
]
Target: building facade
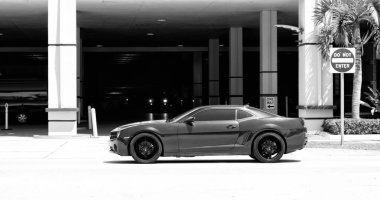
[{"x": 223, "y": 52}]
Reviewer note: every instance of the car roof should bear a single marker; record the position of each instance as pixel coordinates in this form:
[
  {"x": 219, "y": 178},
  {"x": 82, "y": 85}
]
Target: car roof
[
  {"x": 222, "y": 106},
  {"x": 257, "y": 111}
]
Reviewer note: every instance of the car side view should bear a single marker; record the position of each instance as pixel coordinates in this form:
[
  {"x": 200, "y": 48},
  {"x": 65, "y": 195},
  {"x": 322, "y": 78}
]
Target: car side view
[{"x": 211, "y": 130}]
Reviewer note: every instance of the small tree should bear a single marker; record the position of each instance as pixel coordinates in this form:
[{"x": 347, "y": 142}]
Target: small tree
[
  {"x": 341, "y": 22},
  {"x": 373, "y": 96}
]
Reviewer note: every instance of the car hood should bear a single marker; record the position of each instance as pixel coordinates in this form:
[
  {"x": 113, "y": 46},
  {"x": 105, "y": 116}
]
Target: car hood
[{"x": 138, "y": 124}]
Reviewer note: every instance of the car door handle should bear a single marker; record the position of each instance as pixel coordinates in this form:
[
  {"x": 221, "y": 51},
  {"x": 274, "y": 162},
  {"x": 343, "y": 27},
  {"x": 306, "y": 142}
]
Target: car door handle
[{"x": 231, "y": 126}]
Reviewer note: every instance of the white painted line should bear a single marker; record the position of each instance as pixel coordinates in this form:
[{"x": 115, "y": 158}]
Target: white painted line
[{"x": 342, "y": 60}]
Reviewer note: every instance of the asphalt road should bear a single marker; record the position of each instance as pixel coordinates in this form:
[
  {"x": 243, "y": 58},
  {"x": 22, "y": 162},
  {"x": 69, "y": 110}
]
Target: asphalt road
[{"x": 82, "y": 168}]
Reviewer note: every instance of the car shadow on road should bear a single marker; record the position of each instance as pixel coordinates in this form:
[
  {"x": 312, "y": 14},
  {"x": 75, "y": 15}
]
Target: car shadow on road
[{"x": 198, "y": 161}]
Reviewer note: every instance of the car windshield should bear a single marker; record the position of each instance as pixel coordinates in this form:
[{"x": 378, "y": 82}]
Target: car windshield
[{"x": 182, "y": 115}]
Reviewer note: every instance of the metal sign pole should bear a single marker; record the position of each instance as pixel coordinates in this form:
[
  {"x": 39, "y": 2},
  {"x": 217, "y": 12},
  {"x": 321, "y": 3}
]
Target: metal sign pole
[{"x": 341, "y": 108}]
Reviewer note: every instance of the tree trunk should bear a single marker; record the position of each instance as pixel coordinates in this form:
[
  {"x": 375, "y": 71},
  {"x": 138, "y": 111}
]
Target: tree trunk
[{"x": 357, "y": 83}]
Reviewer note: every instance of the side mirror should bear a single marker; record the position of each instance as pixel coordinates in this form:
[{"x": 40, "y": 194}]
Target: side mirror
[{"x": 190, "y": 120}]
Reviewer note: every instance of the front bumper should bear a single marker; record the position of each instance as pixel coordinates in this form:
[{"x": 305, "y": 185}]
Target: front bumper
[{"x": 119, "y": 146}]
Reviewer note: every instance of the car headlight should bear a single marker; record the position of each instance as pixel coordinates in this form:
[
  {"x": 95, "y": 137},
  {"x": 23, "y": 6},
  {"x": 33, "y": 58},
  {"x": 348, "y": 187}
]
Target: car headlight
[{"x": 116, "y": 132}]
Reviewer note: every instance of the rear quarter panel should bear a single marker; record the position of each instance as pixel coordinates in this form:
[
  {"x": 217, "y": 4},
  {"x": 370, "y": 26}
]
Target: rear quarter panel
[{"x": 290, "y": 129}]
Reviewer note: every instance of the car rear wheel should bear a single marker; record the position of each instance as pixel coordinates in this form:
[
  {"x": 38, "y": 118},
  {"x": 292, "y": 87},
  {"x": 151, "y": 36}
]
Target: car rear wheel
[
  {"x": 145, "y": 148},
  {"x": 268, "y": 147}
]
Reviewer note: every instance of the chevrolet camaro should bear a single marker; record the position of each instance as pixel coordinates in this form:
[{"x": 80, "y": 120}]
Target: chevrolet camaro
[{"x": 211, "y": 130}]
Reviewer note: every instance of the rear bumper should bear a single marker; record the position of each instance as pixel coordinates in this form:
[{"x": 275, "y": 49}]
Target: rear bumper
[
  {"x": 305, "y": 143},
  {"x": 118, "y": 146},
  {"x": 296, "y": 139}
]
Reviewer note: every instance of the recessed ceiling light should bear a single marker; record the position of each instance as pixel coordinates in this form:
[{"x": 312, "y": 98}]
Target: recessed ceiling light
[
  {"x": 99, "y": 45},
  {"x": 150, "y": 34},
  {"x": 221, "y": 45},
  {"x": 161, "y": 20},
  {"x": 180, "y": 45},
  {"x": 1, "y": 34}
]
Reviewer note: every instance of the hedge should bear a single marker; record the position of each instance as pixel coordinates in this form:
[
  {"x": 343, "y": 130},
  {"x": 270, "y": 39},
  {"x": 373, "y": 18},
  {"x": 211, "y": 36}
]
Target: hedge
[{"x": 352, "y": 126}]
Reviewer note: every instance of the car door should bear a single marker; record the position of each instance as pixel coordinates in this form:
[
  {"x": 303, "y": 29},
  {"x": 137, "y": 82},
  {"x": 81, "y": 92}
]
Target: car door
[{"x": 213, "y": 131}]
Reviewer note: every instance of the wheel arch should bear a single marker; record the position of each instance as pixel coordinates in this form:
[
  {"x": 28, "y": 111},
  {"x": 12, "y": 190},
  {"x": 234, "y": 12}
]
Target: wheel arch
[
  {"x": 151, "y": 133},
  {"x": 269, "y": 131}
]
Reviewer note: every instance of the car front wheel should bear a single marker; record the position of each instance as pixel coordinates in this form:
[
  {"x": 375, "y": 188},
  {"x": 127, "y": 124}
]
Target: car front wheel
[
  {"x": 145, "y": 148},
  {"x": 268, "y": 147}
]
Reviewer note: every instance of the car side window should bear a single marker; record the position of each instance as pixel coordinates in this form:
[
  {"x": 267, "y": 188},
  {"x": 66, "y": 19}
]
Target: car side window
[
  {"x": 215, "y": 115},
  {"x": 241, "y": 114}
]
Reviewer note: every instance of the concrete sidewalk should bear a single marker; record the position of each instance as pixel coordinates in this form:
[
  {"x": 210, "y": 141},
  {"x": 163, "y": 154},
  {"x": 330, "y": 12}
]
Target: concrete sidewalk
[
  {"x": 358, "y": 142},
  {"x": 320, "y": 136},
  {"x": 317, "y": 139},
  {"x": 30, "y": 130}
]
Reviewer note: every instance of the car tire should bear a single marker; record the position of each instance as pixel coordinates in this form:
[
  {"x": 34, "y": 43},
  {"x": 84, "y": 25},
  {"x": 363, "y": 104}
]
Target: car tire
[
  {"x": 268, "y": 147},
  {"x": 22, "y": 117},
  {"x": 145, "y": 148}
]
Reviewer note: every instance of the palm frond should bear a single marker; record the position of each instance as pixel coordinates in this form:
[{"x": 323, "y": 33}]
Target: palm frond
[
  {"x": 374, "y": 6},
  {"x": 373, "y": 98},
  {"x": 324, "y": 39},
  {"x": 320, "y": 10},
  {"x": 336, "y": 21},
  {"x": 365, "y": 104},
  {"x": 341, "y": 36}
]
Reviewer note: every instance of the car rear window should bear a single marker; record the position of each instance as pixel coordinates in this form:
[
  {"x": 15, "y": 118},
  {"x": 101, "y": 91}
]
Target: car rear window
[
  {"x": 261, "y": 113},
  {"x": 241, "y": 114}
]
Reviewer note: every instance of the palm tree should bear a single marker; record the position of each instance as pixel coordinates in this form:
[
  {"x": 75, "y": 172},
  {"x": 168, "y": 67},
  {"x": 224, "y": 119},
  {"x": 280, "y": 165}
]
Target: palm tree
[{"x": 341, "y": 22}]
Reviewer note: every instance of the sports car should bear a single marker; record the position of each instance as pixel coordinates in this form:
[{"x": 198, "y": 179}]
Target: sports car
[{"x": 211, "y": 130}]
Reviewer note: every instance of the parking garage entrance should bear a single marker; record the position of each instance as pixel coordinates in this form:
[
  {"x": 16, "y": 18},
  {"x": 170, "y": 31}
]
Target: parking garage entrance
[
  {"x": 137, "y": 85},
  {"x": 142, "y": 85}
]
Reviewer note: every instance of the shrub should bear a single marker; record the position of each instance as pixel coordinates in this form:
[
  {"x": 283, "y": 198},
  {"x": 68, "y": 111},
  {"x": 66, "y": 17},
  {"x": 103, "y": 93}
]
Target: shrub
[{"x": 352, "y": 126}]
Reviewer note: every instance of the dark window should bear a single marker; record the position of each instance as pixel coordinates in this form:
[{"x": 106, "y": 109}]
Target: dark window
[
  {"x": 243, "y": 114},
  {"x": 215, "y": 115}
]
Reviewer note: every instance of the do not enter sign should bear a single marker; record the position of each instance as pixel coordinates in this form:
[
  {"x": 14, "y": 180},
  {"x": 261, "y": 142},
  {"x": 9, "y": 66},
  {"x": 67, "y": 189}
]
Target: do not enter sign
[{"x": 342, "y": 60}]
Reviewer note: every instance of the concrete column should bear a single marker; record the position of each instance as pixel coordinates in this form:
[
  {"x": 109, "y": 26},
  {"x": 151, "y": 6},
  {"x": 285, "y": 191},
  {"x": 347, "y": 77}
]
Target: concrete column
[
  {"x": 79, "y": 76},
  {"x": 315, "y": 81},
  {"x": 268, "y": 61},
  {"x": 197, "y": 79},
  {"x": 62, "y": 67},
  {"x": 236, "y": 66},
  {"x": 213, "y": 62}
]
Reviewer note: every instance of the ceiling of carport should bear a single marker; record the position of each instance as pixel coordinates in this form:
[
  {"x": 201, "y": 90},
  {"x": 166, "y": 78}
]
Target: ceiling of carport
[{"x": 127, "y": 22}]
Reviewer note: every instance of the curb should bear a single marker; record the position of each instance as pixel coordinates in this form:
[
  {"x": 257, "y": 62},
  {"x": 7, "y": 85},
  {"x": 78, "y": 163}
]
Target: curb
[{"x": 79, "y": 136}]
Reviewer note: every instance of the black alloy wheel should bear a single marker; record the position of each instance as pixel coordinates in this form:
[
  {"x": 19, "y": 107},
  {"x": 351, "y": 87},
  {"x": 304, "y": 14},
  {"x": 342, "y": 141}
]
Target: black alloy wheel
[
  {"x": 145, "y": 148},
  {"x": 268, "y": 147}
]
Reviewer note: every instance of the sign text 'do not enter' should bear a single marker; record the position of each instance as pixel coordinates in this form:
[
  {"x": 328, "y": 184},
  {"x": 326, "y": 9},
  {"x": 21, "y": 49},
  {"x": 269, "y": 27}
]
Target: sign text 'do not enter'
[{"x": 342, "y": 60}]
